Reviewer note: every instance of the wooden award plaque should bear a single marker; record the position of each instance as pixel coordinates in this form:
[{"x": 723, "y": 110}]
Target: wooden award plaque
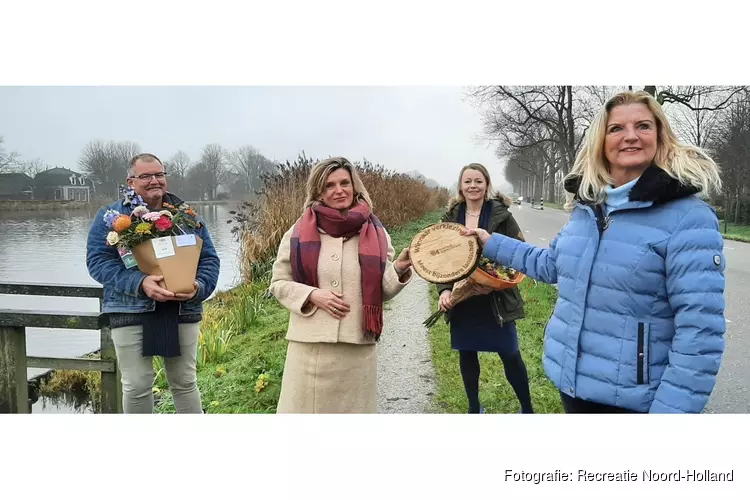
[{"x": 439, "y": 253}]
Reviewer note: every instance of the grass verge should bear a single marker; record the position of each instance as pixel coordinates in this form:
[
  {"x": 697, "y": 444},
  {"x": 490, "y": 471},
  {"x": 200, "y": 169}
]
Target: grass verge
[
  {"x": 495, "y": 393},
  {"x": 735, "y": 232},
  {"x": 244, "y": 374},
  {"x": 557, "y": 206}
]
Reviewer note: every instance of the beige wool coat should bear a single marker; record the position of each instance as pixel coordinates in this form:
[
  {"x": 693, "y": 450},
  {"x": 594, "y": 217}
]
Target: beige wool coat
[
  {"x": 338, "y": 270},
  {"x": 330, "y": 366}
]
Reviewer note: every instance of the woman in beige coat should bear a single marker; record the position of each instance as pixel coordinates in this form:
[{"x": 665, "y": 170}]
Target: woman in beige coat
[{"x": 333, "y": 272}]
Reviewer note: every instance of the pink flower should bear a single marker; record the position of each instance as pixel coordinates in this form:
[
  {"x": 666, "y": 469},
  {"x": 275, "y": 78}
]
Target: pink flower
[
  {"x": 151, "y": 216},
  {"x": 163, "y": 223},
  {"x": 140, "y": 211}
]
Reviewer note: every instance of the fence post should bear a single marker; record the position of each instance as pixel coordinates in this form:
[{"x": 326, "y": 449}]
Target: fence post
[
  {"x": 111, "y": 391},
  {"x": 14, "y": 388}
]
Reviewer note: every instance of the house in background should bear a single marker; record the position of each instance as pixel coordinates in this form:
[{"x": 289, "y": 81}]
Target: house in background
[
  {"x": 15, "y": 186},
  {"x": 63, "y": 184}
]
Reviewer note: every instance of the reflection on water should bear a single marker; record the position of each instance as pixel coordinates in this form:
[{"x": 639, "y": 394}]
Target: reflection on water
[
  {"x": 50, "y": 247},
  {"x": 76, "y": 400}
]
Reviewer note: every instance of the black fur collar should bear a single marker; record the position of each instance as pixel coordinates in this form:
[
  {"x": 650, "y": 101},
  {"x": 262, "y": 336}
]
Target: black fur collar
[{"x": 654, "y": 185}]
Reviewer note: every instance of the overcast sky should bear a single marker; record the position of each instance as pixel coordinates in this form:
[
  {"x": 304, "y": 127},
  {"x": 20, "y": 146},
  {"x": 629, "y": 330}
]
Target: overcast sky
[{"x": 430, "y": 129}]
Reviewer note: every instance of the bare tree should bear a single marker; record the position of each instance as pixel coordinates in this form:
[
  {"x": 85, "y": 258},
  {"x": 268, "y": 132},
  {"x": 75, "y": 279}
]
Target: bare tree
[
  {"x": 7, "y": 160},
  {"x": 213, "y": 161},
  {"x": 96, "y": 161},
  {"x": 32, "y": 167},
  {"x": 198, "y": 182},
  {"x": 178, "y": 165},
  {"x": 695, "y": 126},
  {"x": 124, "y": 151},
  {"x": 528, "y": 171},
  {"x": 177, "y": 168},
  {"x": 696, "y": 120},
  {"x": 731, "y": 147},
  {"x": 249, "y": 164},
  {"x": 715, "y": 97},
  {"x": 598, "y": 95},
  {"x": 550, "y": 120},
  {"x": 107, "y": 163}
]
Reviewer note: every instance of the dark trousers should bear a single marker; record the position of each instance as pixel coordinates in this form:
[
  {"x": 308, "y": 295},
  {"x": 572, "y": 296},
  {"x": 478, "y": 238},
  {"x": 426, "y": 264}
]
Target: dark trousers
[
  {"x": 515, "y": 372},
  {"x": 575, "y": 405}
]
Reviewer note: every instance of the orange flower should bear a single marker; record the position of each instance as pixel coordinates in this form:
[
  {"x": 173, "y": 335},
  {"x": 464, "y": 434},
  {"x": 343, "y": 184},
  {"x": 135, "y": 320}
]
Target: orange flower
[{"x": 121, "y": 223}]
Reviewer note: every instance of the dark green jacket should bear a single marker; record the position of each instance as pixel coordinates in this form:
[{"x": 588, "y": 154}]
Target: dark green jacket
[{"x": 507, "y": 305}]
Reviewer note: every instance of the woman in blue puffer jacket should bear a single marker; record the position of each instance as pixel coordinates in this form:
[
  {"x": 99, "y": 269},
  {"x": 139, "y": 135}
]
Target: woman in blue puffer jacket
[{"x": 639, "y": 323}]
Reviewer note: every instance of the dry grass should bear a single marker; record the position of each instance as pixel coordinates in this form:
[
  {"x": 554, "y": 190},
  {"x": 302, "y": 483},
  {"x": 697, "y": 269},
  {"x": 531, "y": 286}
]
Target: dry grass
[
  {"x": 77, "y": 388},
  {"x": 398, "y": 199}
]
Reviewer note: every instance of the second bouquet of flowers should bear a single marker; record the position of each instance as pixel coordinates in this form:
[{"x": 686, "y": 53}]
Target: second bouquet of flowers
[{"x": 486, "y": 278}]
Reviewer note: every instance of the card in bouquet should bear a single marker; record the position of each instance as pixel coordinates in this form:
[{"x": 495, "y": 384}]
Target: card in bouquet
[{"x": 439, "y": 254}]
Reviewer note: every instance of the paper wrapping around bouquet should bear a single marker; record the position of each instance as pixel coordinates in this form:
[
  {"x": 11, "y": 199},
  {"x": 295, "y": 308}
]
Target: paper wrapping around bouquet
[
  {"x": 439, "y": 253},
  {"x": 178, "y": 263},
  {"x": 486, "y": 279}
]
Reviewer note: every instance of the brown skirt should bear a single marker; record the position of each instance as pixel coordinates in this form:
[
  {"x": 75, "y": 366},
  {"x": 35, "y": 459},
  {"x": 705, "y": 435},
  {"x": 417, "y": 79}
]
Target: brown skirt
[{"x": 329, "y": 378}]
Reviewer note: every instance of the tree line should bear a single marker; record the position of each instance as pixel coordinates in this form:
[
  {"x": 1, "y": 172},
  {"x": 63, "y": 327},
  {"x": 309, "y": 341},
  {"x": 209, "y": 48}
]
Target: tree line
[
  {"x": 106, "y": 162},
  {"x": 238, "y": 171}
]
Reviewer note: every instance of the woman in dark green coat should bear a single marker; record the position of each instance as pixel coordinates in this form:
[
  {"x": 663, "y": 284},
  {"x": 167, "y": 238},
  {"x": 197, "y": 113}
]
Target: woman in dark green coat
[{"x": 485, "y": 323}]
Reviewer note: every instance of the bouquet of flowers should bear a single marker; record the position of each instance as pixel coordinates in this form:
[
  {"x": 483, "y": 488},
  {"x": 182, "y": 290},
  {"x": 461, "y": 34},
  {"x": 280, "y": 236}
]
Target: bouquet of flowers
[
  {"x": 486, "y": 278},
  {"x": 129, "y": 231},
  {"x": 158, "y": 242}
]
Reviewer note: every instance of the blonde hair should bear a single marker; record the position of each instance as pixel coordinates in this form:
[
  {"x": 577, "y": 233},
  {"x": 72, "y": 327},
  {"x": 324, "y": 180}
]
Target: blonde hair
[
  {"x": 459, "y": 198},
  {"x": 688, "y": 164},
  {"x": 316, "y": 182}
]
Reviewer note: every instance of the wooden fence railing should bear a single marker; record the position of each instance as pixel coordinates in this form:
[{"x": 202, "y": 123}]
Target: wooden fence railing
[{"x": 14, "y": 396}]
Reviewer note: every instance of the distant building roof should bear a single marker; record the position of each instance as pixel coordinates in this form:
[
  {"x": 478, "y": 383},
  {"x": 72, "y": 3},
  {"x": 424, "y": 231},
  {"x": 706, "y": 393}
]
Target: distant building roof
[
  {"x": 61, "y": 176},
  {"x": 58, "y": 171},
  {"x": 14, "y": 183}
]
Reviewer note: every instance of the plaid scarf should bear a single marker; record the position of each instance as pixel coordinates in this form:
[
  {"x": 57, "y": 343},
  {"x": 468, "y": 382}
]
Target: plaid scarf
[{"x": 373, "y": 252}]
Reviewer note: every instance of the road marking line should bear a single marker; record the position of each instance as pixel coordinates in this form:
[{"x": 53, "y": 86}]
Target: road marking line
[
  {"x": 728, "y": 320},
  {"x": 543, "y": 239}
]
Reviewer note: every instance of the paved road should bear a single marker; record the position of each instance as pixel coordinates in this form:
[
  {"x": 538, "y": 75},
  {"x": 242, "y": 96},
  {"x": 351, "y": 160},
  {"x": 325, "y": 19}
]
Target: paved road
[
  {"x": 732, "y": 391},
  {"x": 406, "y": 379}
]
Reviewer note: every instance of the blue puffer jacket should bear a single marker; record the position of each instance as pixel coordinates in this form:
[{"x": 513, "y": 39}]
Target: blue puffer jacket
[
  {"x": 639, "y": 322},
  {"x": 122, "y": 287}
]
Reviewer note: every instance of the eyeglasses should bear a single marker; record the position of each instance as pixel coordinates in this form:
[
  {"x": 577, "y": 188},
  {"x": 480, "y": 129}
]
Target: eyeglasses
[{"x": 147, "y": 177}]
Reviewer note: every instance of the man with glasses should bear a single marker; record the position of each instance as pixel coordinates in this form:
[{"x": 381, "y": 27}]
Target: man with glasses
[{"x": 147, "y": 319}]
